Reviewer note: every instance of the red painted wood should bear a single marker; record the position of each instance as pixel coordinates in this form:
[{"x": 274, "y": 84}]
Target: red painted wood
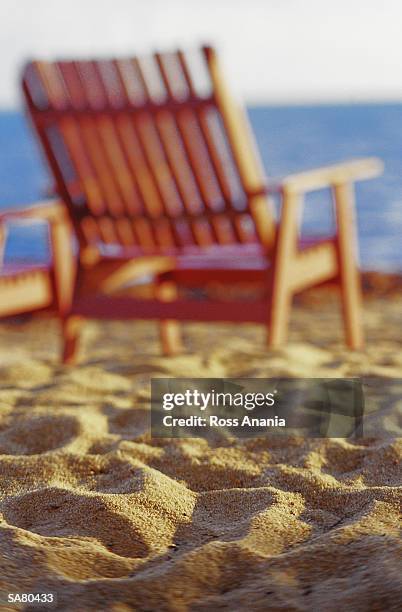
[
  {"x": 146, "y": 165},
  {"x": 137, "y": 162},
  {"x": 99, "y": 307}
]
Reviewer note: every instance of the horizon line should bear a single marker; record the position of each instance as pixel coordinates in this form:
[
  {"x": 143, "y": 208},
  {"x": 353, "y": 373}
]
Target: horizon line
[{"x": 273, "y": 102}]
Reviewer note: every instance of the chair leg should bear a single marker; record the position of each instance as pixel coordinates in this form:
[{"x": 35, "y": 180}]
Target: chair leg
[
  {"x": 349, "y": 274},
  {"x": 351, "y": 306},
  {"x": 71, "y": 332},
  {"x": 169, "y": 330},
  {"x": 279, "y": 314},
  {"x": 279, "y": 287}
]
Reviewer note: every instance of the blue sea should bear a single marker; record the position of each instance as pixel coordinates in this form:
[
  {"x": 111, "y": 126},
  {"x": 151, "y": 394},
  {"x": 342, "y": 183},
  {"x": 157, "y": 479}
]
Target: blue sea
[{"x": 290, "y": 139}]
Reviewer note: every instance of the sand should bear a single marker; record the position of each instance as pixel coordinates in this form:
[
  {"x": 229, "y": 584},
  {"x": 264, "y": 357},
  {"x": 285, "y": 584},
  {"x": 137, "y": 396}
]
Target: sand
[{"x": 107, "y": 518}]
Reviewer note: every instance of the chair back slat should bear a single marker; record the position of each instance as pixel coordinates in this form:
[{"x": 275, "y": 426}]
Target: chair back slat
[
  {"x": 244, "y": 150},
  {"x": 167, "y": 151},
  {"x": 99, "y": 138},
  {"x": 204, "y": 118},
  {"x": 200, "y": 154},
  {"x": 140, "y": 156},
  {"x": 68, "y": 137}
]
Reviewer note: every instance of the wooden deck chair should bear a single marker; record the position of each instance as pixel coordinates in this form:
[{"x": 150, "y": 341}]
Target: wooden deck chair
[
  {"x": 25, "y": 286},
  {"x": 158, "y": 171}
]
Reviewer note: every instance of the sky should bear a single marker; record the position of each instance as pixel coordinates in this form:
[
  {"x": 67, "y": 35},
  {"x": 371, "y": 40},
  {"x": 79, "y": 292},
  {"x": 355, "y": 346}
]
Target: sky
[{"x": 273, "y": 51}]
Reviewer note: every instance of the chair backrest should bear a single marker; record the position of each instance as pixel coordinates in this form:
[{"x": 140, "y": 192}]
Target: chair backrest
[{"x": 149, "y": 153}]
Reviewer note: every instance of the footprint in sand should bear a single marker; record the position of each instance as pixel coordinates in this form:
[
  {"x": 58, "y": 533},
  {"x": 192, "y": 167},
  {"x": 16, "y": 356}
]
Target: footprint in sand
[{"x": 59, "y": 513}]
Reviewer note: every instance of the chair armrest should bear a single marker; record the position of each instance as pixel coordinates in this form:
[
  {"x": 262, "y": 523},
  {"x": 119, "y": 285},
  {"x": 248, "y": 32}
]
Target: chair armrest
[
  {"x": 47, "y": 210},
  {"x": 336, "y": 174}
]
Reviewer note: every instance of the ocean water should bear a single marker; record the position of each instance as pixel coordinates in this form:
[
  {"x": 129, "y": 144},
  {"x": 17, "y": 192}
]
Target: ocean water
[{"x": 290, "y": 139}]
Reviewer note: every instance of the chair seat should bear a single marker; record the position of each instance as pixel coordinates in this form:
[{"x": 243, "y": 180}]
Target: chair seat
[
  {"x": 228, "y": 254},
  {"x": 8, "y": 270},
  {"x": 221, "y": 265},
  {"x": 217, "y": 251},
  {"x": 193, "y": 266},
  {"x": 239, "y": 263}
]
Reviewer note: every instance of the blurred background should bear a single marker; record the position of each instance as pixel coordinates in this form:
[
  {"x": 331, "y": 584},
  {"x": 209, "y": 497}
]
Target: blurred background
[{"x": 322, "y": 82}]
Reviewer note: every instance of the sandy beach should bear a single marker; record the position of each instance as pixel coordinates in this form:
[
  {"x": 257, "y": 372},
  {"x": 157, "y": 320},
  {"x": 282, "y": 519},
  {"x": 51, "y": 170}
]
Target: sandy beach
[{"x": 95, "y": 510}]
